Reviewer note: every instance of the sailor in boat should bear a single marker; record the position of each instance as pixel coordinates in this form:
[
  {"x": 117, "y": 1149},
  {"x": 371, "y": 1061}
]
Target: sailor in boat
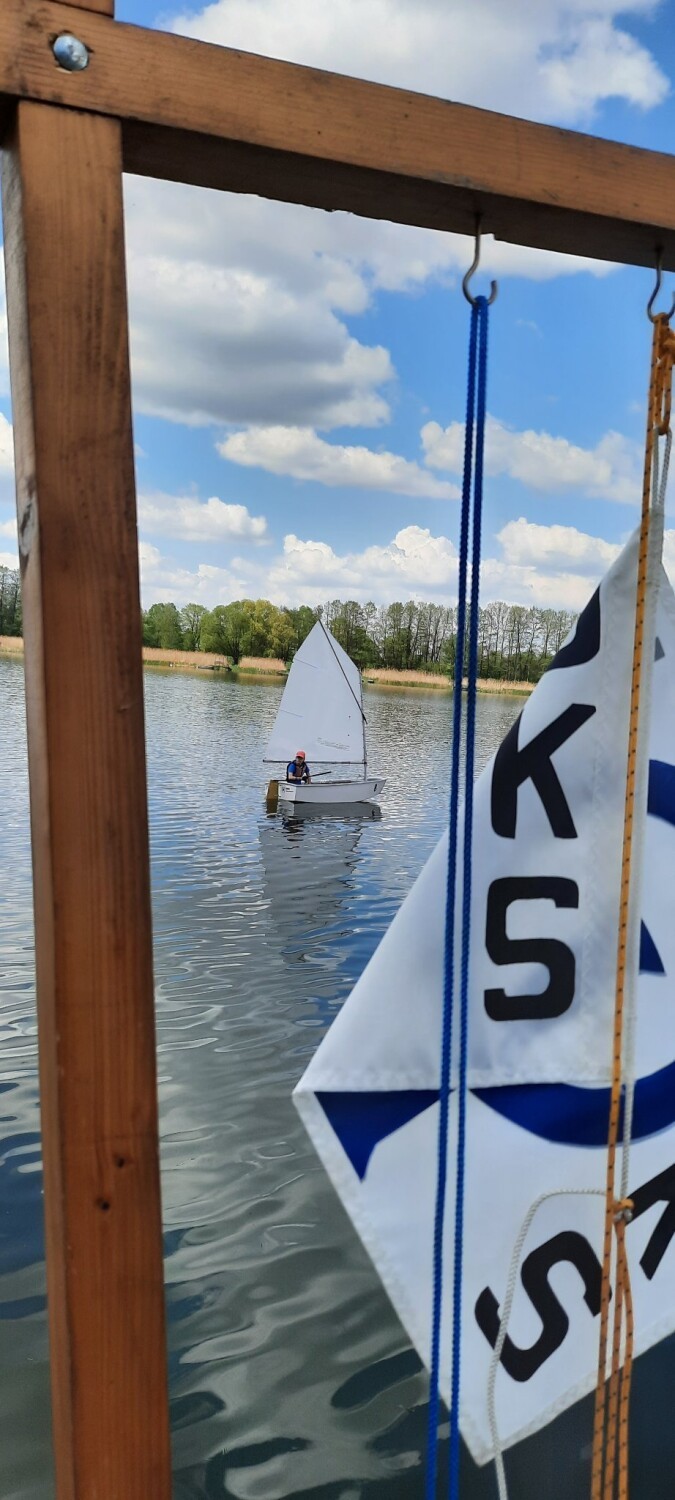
[{"x": 298, "y": 770}]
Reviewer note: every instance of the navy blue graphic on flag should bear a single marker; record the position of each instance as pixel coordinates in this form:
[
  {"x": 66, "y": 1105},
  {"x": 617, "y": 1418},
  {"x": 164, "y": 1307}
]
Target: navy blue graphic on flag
[{"x": 558, "y": 1112}]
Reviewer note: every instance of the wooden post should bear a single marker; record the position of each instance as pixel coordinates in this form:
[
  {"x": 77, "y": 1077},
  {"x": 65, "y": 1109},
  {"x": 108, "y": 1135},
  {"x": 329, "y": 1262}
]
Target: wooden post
[{"x": 67, "y": 308}]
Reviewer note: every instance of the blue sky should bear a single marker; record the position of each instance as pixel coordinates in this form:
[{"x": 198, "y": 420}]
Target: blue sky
[{"x": 299, "y": 377}]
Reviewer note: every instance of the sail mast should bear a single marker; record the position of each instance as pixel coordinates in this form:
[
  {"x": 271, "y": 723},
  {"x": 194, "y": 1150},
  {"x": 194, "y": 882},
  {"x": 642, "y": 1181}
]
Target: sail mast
[{"x": 358, "y": 700}]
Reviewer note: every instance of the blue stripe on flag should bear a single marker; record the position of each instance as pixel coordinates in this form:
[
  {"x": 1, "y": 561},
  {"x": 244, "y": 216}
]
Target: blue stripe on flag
[
  {"x": 661, "y": 793},
  {"x": 650, "y": 958},
  {"x": 572, "y": 1116},
  {"x": 361, "y": 1121},
  {"x": 558, "y": 1112}
]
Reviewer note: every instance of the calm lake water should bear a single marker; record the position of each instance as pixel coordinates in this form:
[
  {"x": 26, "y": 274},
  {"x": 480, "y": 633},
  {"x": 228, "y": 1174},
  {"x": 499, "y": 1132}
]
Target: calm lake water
[{"x": 289, "y": 1373}]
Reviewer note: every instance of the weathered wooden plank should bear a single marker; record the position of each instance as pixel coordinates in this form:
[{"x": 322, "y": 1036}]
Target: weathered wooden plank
[
  {"x": 64, "y": 251},
  {"x": 227, "y": 119}
]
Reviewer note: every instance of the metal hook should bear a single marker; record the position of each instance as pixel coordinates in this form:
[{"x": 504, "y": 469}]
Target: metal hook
[
  {"x": 474, "y": 267},
  {"x": 659, "y": 275}
]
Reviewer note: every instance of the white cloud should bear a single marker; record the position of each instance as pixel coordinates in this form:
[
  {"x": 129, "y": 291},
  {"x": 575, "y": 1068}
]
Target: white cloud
[
  {"x": 602, "y": 62},
  {"x": 553, "y": 567},
  {"x": 6, "y": 467},
  {"x": 401, "y": 258},
  {"x": 193, "y": 520},
  {"x": 162, "y": 580},
  {"x": 6, "y": 446},
  {"x": 553, "y": 60},
  {"x": 8, "y": 528},
  {"x": 523, "y": 543},
  {"x": 238, "y": 305},
  {"x": 235, "y": 315},
  {"x": 9, "y": 559},
  {"x": 610, "y": 471},
  {"x": 529, "y": 586},
  {"x": 414, "y": 562},
  {"x": 4, "y": 346},
  {"x": 299, "y": 452},
  {"x": 532, "y": 568}
]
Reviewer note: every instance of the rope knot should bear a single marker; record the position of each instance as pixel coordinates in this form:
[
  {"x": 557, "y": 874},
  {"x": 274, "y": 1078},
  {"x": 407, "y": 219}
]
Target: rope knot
[{"x": 623, "y": 1211}]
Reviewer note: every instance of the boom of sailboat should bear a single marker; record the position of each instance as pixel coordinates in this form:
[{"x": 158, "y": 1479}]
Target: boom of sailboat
[{"x": 322, "y": 708}]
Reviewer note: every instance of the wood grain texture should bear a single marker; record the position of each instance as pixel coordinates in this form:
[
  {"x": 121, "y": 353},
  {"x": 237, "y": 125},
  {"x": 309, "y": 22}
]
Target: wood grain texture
[
  {"x": 227, "y": 119},
  {"x": 101, "y": 7},
  {"x": 64, "y": 250}
]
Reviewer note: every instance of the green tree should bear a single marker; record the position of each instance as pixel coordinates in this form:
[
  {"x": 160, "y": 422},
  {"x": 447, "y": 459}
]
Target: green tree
[
  {"x": 282, "y": 640},
  {"x": 10, "y": 601},
  {"x": 162, "y": 627},
  {"x": 270, "y": 632},
  {"x": 302, "y": 621},
  {"x": 224, "y": 630},
  {"x": 192, "y": 617},
  {"x": 349, "y": 625}
]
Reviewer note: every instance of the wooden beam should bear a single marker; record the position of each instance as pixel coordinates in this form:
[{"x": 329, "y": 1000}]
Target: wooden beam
[
  {"x": 230, "y": 120},
  {"x": 102, "y": 7},
  {"x": 64, "y": 250}
]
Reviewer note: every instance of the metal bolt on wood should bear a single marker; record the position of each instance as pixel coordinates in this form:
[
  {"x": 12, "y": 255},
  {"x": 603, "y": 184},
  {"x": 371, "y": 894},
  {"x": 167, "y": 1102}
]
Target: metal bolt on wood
[{"x": 71, "y": 54}]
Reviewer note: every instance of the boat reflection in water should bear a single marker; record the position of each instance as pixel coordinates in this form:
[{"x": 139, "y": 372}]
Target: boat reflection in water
[
  {"x": 349, "y": 812},
  {"x": 311, "y": 880}
]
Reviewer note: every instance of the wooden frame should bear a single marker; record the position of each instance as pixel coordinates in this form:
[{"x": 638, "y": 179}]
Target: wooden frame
[
  {"x": 223, "y": 119},
  {"x": 164, "y": 106}
]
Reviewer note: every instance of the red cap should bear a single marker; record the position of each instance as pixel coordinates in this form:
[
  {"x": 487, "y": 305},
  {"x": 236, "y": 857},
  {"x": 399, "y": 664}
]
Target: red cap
[{"x": 299, "y": 755}]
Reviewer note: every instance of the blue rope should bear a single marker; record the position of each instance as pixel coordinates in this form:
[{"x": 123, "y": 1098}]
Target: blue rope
[
  {"x": 469, "y": 752},
  {"x": 449, "y": 973},
  {"x": 477, "y": 341}
]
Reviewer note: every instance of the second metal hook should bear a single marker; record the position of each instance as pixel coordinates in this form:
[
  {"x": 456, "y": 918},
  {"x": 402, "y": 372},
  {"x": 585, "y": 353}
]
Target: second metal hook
[
  {"x": 659, "y": 276},
  {"x": 474, "y": 267}
]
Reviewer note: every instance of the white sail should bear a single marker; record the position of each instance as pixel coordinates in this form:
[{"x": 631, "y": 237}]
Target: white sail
[
  {"x": 321, "y": 709},
  {"x": 547, "y": 842}
]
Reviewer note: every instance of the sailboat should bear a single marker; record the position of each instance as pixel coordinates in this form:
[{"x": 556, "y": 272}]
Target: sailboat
[{"x": 322, "y": 709}]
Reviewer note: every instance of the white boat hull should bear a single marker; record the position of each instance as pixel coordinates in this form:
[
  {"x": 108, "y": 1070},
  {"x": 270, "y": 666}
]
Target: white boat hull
[{"x": 326, "y": 792}]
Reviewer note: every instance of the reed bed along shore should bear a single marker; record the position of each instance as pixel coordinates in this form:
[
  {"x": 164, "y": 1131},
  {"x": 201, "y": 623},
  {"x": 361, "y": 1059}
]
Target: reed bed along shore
[
  {"x": 401, "y": 678},
  {"x": 275, "y": 667},
  {"x": 494, "y": 685},
  {"x": 167, "y": 658},
  {"x": 200, "y": 660},
  {"x": 270, "y": 664},
  {"x": 391, "y": 677},
  {"x": 151, "y": 655},
  {"x": 211, "y": 661}
]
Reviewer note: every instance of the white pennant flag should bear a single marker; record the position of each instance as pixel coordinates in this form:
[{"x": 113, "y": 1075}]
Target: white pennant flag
[{"x": 548, "y": 828}]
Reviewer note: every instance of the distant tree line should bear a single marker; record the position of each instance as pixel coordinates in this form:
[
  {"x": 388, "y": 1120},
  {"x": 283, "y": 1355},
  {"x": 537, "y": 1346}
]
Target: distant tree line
[
  {"x": 10, "y": 601},
  {"x": 515, "y": 643}
]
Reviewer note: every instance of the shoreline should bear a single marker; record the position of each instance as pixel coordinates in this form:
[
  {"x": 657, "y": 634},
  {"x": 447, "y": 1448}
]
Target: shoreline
[{"x": 276, "y": 671}]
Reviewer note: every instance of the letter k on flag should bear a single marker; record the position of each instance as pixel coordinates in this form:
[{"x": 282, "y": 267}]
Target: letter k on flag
[{"x": 548, "y": 828}]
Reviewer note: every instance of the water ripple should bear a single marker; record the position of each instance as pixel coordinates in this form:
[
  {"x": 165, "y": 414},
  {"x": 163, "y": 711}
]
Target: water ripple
[{"x": 289, "y": 1374}]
